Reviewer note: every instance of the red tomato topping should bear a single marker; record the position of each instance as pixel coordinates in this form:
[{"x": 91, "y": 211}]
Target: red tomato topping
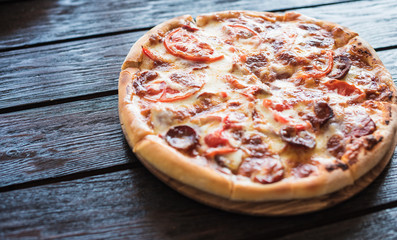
[
  {"x": 222, "y": 150},
  {"x": 280, "y": 118},
  {"x": 342, "y": 88},
  {"x": 161, "y": 92},
  {"x": 276, "y": 106},
  {"x": 228, "y": 123},
  {"x": 184, "y": 44},
  {"x": 163, "y": 97},
  {"x": 150, "y": 55},
  {"x": 300, "y": 127},
  {"x": 232, "y": 80},
  {"x": 216, "y": 139}
]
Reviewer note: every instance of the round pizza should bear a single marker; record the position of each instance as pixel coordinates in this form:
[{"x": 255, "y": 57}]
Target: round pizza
[{"x": 256, "y": 106}]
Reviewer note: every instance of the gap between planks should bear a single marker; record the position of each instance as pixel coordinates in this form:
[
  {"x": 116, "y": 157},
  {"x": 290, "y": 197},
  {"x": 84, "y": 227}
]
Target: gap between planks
[
  {"x": 115, "y": 33},
  {"x": 359, "y": 213},
  {"x": 68, "y": 177}
]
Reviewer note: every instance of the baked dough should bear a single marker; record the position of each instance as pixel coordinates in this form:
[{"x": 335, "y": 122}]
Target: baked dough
[{"x": 362, "y": 119}]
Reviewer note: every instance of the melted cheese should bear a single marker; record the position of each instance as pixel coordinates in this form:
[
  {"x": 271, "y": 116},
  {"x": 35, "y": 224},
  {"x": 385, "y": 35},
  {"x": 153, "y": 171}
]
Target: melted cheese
[{"x": 283, "y": 37}]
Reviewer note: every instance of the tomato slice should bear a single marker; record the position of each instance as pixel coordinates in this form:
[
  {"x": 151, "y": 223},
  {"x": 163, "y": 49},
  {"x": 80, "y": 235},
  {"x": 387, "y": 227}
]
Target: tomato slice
[
  {"x": 184, "y": 44},
  {"x": 233, "y": 81},
  {"x": 280, "y": 118},
  {"x": 216, "y": 139},
  {"x": 276, "y": 106},
  {"x": 148, "y": 86},
  {"x": 217, "y": 151},
  {"x": 173, "y": 98},
  {"x": 153, "y": 56},
  {"x": 343, "y": 88}
]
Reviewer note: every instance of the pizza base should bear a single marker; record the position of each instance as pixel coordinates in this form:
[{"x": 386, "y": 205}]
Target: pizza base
[
  {"x": 174, "y": 164},
  {"x": 274, "y": 208}
]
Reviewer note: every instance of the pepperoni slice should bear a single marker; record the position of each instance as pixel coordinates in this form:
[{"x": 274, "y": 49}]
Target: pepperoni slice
[
  {"x": 336, "y": 146},
  {"x": 297, "y": 138},
  {"x": 142, "y": 80},
  {"x": 182, "y": 137},
  {"x": 342, "y": 67},
  {"x": 322, "y": 113},
  {"x": 365, "y": 127},
  {"x": 262, "y": 170},
  {"x": 303, "y": 170},
  {"x": 184, "y": 44}
]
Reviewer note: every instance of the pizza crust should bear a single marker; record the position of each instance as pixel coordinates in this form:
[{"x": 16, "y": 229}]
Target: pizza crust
[
  {"x": 184, "y": 169},
  {"x": 134, "y": 56},
  {"x": 133, "y": 126},
  {"x": 369, "y": 159},
  {"x": 181, "y": 168}
]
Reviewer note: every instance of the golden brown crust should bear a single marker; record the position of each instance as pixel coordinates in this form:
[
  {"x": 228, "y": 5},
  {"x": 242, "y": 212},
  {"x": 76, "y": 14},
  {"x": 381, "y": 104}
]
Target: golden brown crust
[
  {"x": 186, "y": 170},
  {"x": 366, "y": 160},
  {"x": 249, "y": 191},
  {"x": 134, "y": 127},
  {"x": 177, "y": 166},
  {"x": 134, "y": 56},
  {"x": 360, "y": 46},
  {"x": 216, "y": 16}
]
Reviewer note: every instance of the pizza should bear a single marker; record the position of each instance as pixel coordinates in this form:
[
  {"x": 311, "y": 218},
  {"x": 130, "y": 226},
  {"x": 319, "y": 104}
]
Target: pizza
[{"x": 256, "y": 106}]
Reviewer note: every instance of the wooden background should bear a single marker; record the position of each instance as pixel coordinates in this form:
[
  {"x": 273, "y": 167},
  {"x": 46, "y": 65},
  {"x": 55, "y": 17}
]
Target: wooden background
[{"x": 66, "y": 170}]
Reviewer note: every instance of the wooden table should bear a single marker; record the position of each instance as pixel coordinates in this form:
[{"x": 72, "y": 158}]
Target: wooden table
[{"x": 66, "y": 170}]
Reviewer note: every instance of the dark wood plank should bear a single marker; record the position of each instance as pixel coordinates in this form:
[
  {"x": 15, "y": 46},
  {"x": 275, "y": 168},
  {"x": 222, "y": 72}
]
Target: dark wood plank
[
  {"x": 61, "y": 139},
  {"x": 68, "y": 138},
  {"x": 32, "y": 22},
  {"x": 133, "y": 204},
  {"x": 379, "y": 225},
  {"x": 371, "y": 19},
  {"x": 62, "y": 70},
  {"x": 89, "y": 66}
]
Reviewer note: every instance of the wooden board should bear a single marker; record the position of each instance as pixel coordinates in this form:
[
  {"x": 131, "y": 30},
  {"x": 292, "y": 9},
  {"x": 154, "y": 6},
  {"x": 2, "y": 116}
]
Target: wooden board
[
  {"x": 379, "y": 225},
  {"x": 29, "y": 23},
  {"x": 274, "y": 208},
  {"x": 133, "y": 204},
  {"x": 60, "y": 140},
  {"x": 40, "y": 74},
  {"x": 63, "y": 162}
]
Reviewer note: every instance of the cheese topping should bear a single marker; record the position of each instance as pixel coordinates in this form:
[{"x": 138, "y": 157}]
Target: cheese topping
[{"x": 250, "y": 94}]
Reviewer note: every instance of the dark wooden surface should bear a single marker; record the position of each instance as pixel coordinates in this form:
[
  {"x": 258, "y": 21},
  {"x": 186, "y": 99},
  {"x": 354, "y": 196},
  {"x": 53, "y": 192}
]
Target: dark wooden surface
[{"x": 65, "y": 168}]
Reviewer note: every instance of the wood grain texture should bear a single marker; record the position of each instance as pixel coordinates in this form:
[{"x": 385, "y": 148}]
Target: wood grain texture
[
  {"x": 89, "y": 66},
  {"x": 61, "y": 139},
  {"x": 379, "y": 225},
  {"x": 134, "y": 204},
  {"x": 32, "y": 22},
  {"x": 274, "y": 208},
  {"x": 62, "y": 70},
  {"x": 373, "y": 20}
]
